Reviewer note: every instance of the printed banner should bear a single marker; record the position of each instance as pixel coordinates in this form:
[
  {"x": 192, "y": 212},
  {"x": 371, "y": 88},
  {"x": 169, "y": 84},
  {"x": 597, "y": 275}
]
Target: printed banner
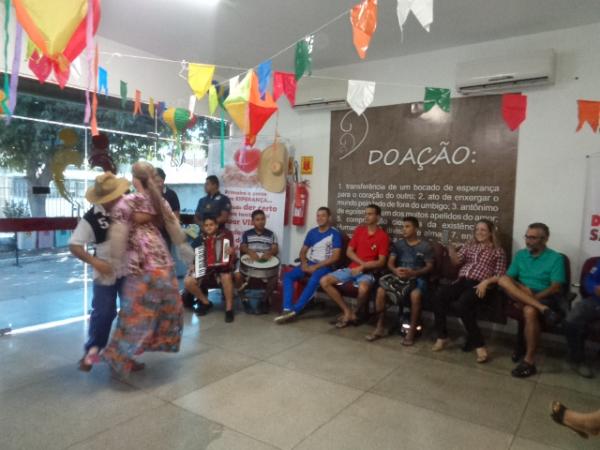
[
  {"x": 447, "y": 169},
  {"x": 590, "y": 242},
  {"x": 240, "y": 182}
]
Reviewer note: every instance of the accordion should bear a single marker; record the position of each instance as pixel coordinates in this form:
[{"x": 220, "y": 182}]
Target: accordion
[{"x": 203, "y": 255}]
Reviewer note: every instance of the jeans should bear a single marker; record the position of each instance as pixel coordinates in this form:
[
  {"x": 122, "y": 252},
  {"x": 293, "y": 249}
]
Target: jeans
[
  {"x": 104, "y": 311},
  {"x": 308, "y": 292},
  {"x": 463, "y": 298},
  {"x": 583, "y": 312}
]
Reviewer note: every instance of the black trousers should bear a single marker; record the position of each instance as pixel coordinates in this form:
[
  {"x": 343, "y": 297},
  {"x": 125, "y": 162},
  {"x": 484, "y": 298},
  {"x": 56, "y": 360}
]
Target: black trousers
[{"x": 461, "y": 297}]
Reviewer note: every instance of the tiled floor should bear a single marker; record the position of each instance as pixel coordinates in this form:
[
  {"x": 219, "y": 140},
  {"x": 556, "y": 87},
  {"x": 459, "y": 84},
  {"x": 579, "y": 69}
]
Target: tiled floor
[{"x": 305, "y": 385}]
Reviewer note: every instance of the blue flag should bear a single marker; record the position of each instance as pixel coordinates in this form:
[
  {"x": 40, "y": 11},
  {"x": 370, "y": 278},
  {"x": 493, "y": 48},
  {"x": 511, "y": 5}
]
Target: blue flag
[{"x": 264, "y": 77}]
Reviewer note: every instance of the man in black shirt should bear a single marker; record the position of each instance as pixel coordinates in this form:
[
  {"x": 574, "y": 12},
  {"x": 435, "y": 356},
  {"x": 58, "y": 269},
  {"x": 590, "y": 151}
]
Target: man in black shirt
[{"x": 215, "y": 204}]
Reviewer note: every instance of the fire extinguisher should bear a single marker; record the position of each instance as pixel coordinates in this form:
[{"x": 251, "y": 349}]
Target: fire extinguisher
[{"x": 300, "y": 200}]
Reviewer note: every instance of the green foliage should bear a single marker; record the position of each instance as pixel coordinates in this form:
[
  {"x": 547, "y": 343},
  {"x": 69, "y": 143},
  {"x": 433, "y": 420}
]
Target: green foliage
[{"x": 14, "y": 209}]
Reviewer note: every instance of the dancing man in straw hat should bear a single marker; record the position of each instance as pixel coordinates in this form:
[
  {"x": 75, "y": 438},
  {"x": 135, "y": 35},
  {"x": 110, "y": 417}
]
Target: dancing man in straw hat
[{"x": 93, "y": 229}]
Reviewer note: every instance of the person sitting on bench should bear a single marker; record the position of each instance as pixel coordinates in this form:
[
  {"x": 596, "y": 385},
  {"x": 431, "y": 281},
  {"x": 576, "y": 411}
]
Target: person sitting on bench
[{"x": 321, "y": 250}]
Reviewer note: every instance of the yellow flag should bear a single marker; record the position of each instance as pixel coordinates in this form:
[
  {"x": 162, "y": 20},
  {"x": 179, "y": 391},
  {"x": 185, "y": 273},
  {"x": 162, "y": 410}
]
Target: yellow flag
[
  {"x": 199, "y": 78},
  {"x": 151, "y": 107},
  {"x": 213, "y": 99}
]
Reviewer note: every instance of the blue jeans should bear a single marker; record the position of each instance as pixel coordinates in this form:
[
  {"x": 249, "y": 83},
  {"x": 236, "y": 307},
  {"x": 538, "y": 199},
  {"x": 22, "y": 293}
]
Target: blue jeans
[
  {"x": 104, "y": 311},
  {"x": 309, "y": 289},
  {"x": 583, "y": 312}
]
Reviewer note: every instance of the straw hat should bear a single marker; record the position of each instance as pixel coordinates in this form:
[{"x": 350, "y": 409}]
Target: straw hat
[
  {"x": 273, "y": 167},
  {"x": 106, "y": 188}
]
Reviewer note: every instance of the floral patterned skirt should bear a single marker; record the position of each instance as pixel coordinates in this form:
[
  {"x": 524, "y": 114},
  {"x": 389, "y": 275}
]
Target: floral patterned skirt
[{"x": 150, "y": 319}]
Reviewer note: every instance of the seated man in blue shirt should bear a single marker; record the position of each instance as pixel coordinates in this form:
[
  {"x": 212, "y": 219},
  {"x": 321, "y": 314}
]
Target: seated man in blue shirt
[
  {"x": 584, "y": 312},
  {"x": 534, "y": 280},
  {"x": 215, "y": 204},
  {"x": 321, "y": 250}
]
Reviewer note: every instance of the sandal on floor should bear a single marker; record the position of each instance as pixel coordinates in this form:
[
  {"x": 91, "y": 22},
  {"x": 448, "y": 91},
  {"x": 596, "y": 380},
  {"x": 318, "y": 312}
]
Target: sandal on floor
[
  {"x": 346, "y": 323},
  {"x": 558, "y": 415},
  {"x": 482, "y": 355},
  {"x": 372, "y": 337}
]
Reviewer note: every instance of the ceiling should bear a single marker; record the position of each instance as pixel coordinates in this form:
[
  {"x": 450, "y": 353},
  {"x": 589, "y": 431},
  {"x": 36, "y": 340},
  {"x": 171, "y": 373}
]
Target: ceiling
[{"x": 242, "y": 33}]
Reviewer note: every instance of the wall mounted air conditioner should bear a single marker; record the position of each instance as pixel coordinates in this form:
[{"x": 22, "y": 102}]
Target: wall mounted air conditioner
[
  {"x": 506, "y": 74},
  {"x": 319, "y": 93}
]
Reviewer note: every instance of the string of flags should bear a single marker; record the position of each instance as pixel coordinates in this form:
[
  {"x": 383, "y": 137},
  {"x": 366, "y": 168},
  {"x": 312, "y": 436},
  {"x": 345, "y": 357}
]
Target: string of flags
[{"x": 245, "y": 98}]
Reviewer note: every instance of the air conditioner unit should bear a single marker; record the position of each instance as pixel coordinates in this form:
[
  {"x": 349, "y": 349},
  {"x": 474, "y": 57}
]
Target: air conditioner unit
[
  {"x": 321, "y": 93},
  {"x": 505, "y": 74}
]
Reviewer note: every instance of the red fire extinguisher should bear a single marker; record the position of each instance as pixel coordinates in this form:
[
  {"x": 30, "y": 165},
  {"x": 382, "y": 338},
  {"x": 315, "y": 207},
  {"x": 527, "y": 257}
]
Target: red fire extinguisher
[{"x": 300, "y": 200}]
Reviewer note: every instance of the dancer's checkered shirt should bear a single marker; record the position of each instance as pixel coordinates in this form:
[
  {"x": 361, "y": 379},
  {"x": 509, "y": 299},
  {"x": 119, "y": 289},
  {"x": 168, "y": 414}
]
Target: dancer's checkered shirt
[{"x": 479, "y": 262}]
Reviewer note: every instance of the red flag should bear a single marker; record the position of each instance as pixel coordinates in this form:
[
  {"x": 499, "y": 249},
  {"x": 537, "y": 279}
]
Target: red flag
[
  {"x": 514, "y": 109},
  {"x": 363, "y": 18},
  {"x": 284, "y": 83},
  {"x": 589, "y": 111}
]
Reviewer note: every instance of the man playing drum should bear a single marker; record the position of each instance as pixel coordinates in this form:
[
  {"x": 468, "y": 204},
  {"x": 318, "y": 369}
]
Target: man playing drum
[{"x": 258, "y": 249}]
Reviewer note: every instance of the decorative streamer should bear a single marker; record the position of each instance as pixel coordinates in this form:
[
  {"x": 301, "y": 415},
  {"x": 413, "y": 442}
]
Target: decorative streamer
[
  {"x": 264, "y": 76},
  {"x": 89, "y": 42},
  {"x": 6, "y": 39},
  {"x": 514, "y": 110},
  {"x": 284, "y": 83},
  {"x": 192, "y": 104},
  {"x": 123, "y": 94},
  {"x": 363, "y": 18},
  {"x": 102, "y": 80},
  {"x": 137, "y": 106},
  {"x": 94, "y": 121},
  {"x": 160, "y": 110},
  {"x": 589, "y": 112},
  {"x": 151, "y": 111},
  {"x": 437, "y": 96},
  {"x": 303, "y": 60},
  {"x": 16, "y": 70},
  {"x": 360, "y": 95}
]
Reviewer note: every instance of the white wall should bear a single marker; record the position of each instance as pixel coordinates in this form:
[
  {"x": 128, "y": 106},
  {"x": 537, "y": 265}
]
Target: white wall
[{"x": 551, "y": 156}]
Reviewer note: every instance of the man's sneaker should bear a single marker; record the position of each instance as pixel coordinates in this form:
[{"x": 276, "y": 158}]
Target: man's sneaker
[
  {"x": 247, "y": 307},
  {"x": 229, "y": 316},
  {"x": 582, "y": 369},
  {"x": 202, "y": 309},
  {"x": 285, "y": 317},
  {"x": 524, "y": 370}
]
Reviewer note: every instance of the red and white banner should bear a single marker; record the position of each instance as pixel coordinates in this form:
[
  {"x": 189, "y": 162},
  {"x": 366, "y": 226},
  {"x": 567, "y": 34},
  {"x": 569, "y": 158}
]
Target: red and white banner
[
  {"x": 240, "y": 182},
  {"x": 590, "y": 241}
]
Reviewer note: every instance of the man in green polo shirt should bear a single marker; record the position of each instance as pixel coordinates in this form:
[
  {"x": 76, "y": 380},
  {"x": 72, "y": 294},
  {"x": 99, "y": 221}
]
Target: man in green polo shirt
[{"x": 534, "y": 281}]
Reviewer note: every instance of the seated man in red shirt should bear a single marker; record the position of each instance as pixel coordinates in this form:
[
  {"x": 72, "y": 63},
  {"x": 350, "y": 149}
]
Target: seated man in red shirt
[{"x": 368, "y": 250}]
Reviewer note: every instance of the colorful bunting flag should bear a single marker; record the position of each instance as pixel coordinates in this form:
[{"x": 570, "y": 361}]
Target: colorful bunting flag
[
  {"x": 137, "y": 106},
  {"x": 199, "y": 78},
  {"x": 360, "y": 95},
  {"x": 303, "y": 61},
  {"x": 514, "y": 110},
  {"x": 437, "y": 96},
  {"x": 264, "y": 76},
  {"x": 213, "y": 99},
  {"x": 589, "y": 111},
  {"x": 151, "y": 111},
  {"x": 102, "y": 80},
  {"x": 363, "y": 18},
  {"x": 422, "y": 9},
  {"x": 160, "y": 110},
  {"x": 123, "y": 94},
  {"x": 16, "y": 69},
  {"x": 192, "y": 104},
  {"x": 284, "y": 83},
  {"x": 223, "y": 92}
]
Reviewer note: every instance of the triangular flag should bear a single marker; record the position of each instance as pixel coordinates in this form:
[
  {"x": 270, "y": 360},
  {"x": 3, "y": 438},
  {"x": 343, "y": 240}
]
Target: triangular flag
[
  {"x": 264, "y": 76},
  {"x": 437, "y": 96},
  {"x": 303, "y": 60},
  {"x": 192, "y": 104},
  {"x": 137, "y": 106},
  {"x": 237, "y": 101},
  {"x": 363, "y": 18},
  {"x": 123, "y": 94},
  {"x": 284, "y": 83},
  {"x": 199, "y": 78},
  {"x": 259, "y": 111},
  {"x": 102, "y": 80},
  {"x": 589, "y": 111},
  {"x": 422, "y": 9},
  {"x": 151, "y": 111},
  {"x": 360, "y": 95},
  {"x": 160, "y": 109},
  {"x": 514, "y": 110},
  {"x": 213, "y": 99}
]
